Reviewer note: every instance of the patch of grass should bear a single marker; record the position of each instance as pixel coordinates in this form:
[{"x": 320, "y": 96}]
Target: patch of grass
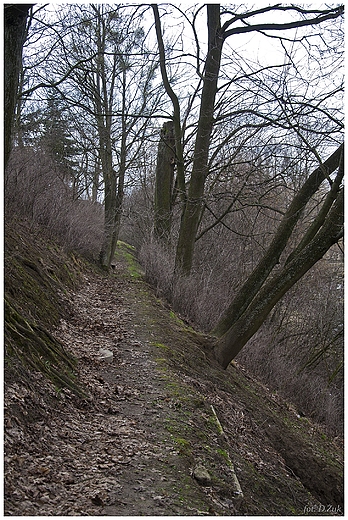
[
  {"x": 223, "y": 453},
  {"x": 125, "y": 245},
  {"x": 184, "y": 446},
  {"x": 178, "y": 320},
  {"x": 160, "y": 345},
  {"x": 127, "y": 252},
  {"x": 160, "y": 360}
]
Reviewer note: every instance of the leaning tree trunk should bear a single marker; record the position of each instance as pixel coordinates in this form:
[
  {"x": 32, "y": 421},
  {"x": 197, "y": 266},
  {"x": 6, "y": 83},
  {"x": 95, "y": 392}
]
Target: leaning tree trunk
[
  {"x": 193, "y": 206},
  {"x": 271, "y": 258},
  {"x": 164, "y": 182},
  {"x": 15, "y": 18},
  {"x": 230, "y": 344}
]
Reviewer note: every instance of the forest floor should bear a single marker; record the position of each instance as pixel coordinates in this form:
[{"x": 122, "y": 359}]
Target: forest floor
[{"x": 163, "y": 430}]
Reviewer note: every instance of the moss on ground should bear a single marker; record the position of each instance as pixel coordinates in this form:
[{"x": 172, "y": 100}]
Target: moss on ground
[
  {"x": 215, "y": 417},
  {"x": 246, "y": 428},
  {"x": 127, "y": 252},
  {"x": 37, "y": 276}
]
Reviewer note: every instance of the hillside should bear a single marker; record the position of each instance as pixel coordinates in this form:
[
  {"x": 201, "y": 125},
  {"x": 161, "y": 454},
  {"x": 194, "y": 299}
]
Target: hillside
[{"x": 159, "y": 430}]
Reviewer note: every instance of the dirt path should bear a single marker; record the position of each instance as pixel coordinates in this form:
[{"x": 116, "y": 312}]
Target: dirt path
[
  {"x": 144, "y": 471},
  {"x": 152, "y": 415},
  {"x": 112, "y": 453}
]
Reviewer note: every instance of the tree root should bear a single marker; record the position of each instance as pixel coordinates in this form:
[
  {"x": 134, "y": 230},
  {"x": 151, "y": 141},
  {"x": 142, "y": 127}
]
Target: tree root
[{"x": 37, "y": 348}]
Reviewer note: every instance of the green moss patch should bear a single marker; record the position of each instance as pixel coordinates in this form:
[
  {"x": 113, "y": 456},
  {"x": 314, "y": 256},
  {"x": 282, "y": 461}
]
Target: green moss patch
[
  {"x": 126, "y": 253},
  {"x": 37, "y": 275}
]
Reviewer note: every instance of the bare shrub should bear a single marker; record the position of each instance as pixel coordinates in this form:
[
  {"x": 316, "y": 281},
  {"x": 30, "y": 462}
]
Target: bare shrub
[
  {"x": 34, "y": 191},
  {"x": 306, "y": 319},
  {"x": 308, "y": 322},
  {"x": 80, "y": 228},
  {"x": 283, "y": 373},
  {"x": 137, "y": 218},
  {"x": 157, "y": 262},
  {"x": 199, "y": 298}
]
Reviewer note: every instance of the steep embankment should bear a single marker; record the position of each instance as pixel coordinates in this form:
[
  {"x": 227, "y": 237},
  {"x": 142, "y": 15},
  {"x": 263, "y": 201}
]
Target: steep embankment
[
  {"x": 38, "y": 276},
  {"x": 161, "y": 430}
]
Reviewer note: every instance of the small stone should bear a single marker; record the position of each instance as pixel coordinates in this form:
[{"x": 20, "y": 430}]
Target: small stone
[
  {"x": 106, "y": 355},
  {"x": 202, "y": 475}
]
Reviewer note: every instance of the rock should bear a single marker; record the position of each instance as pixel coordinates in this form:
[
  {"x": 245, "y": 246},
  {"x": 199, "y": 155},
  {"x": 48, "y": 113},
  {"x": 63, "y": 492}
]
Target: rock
[
  {"x": 105, "y": 355},
  {"x": 202, "y": 475},
  {"x": 237, "y": 493}
]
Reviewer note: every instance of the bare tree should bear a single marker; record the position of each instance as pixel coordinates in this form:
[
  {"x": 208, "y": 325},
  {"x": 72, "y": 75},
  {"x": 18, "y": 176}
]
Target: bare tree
[
  {"x": 218, "y": 33},
  {"x": 100, "y": 67},
  {"x": 259, "y": 294},
  {"x": 114, "y": 85},
  {"x": 15, "y": 19},
  {"x": 278, "y": 105}
]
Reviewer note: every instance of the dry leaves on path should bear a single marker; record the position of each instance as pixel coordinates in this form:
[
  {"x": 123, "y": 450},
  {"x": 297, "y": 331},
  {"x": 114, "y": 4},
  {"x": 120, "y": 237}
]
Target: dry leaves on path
[
  {"x": 109, "y": 453},
  {"x": 151, "y": 418}
]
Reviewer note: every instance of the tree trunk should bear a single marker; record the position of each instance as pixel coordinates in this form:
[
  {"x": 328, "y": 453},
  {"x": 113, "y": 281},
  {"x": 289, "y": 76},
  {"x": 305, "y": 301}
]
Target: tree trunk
[
  {"x": 242, "y": 329},
  {"x": 103, "y": 104},
  {"x": 193, "y": 206},
  {"x": 95, "y": 179},
  {"x": 179, "y": 154},
  {"x": 109, "y": 218},
  {"x": 121, "y": 179},
  {"x": 15, "y": 18},
  {"x": 110, "y": 187},
  {"x": 113, "y": 189},
  {"x": 263, "y": 269},
  {"x": 164, "y": 182}
]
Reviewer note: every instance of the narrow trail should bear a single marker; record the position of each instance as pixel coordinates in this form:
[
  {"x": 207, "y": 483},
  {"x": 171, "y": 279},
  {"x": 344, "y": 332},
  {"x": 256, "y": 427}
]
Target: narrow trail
[
  {"x": 151, "y": 416},
  {"x": 144, "y": 460},
  {"x": 110, "y": 454}
]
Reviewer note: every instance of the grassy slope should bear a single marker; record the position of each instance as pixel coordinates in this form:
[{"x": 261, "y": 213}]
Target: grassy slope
[{"x": 285, "y": 464}]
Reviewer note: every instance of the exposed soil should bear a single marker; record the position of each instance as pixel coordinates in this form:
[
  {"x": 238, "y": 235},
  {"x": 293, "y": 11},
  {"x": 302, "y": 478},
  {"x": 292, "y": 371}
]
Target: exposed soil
[{"x": 161, "y": 408}]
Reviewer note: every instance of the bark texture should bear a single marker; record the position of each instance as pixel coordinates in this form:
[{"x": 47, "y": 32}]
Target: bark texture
[
  {"x": 15, "y": 18},
  {"x": 164, "y": 182},
  {"x": 245, "y": 326}
]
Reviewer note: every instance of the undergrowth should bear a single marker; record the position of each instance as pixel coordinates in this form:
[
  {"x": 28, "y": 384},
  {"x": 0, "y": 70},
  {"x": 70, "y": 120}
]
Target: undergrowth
[{"x": 279, "y": 354}]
